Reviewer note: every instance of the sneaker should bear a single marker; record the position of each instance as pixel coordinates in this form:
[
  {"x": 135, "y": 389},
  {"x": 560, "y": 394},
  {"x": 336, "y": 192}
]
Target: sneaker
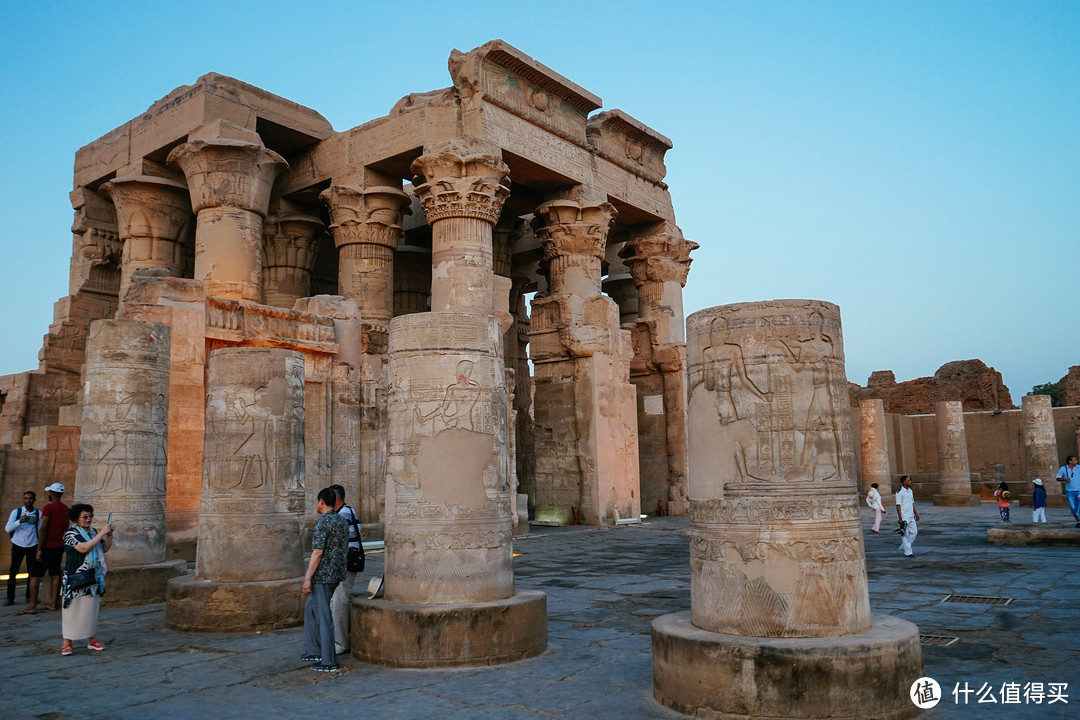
[
  {"x": 95, "y": 645},
  {"x": 319, "y": 667},
  {"x": 67, "y": 650},
  {"x": 311, "y": 658}
]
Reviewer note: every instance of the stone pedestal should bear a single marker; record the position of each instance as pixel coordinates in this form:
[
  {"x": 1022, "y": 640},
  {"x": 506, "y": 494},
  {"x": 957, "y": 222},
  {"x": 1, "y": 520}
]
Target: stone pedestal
[
  {"x": 954, "y": 478},
  {"x": 874, "y": 441},
  {"x": 778, "y": 601},
  {"x": 122, "y": 450},
  {"x": 250, "y": 563},
  {"x": 1040, "y": 450}
]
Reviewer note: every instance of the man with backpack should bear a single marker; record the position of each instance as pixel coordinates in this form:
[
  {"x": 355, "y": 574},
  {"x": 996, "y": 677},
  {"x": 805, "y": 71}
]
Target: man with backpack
[
  {"x": 339, "y": 604},
  {"x": 22, "y": 526}
]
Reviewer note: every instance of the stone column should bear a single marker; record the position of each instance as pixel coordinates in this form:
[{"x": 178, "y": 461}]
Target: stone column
[
  {"x": 954, "y": 478},
  {"x": 874, "y": 442},
  {"x": 584, "y": 404},
  {"x": 777, "y": 566},
  {"x": 449, "y": 583},
  {"x": 1040, "y": 448},
  {"x": 289, "y": 245},
  {"x": 229, "y": 174},
  {"x": 122, "y": 451},
  {"x": 659, "y": 263},
  {"x": 250, "y": 561},
  {"x": 153, "y": 215}
]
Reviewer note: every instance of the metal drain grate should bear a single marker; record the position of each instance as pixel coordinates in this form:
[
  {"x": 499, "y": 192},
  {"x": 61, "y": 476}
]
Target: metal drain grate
[
  {"x": 978, "y": 600},
  {"x": 938, "y": 640}
]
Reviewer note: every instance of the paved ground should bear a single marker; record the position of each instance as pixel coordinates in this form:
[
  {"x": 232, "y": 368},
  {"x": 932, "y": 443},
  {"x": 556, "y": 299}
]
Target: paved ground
[{"x": 604, "y": 586}]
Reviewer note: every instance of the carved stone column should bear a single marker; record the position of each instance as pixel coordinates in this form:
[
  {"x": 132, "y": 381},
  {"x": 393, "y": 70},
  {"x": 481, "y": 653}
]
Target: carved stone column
[
  {"x": 366, "y": 226},
  {"x": 289, "y": 245},
  {"x": 462, "y": 194},
  {"x": 874, "y": 443},
  {"x": 229, "y": 174},
  {"x": 122, "y": 450},
  {"x": 776, "y": 550},
  {"x": 449, "y": 582},
  {"x": 250, "y": 562},
  {"x": 153, "y": 215},
  {"x": 1040, "y": 448},
  {"x": 584, "y": 404},
  {"x": 659, "y": 263},
  {"x": 954, "y": 477}
]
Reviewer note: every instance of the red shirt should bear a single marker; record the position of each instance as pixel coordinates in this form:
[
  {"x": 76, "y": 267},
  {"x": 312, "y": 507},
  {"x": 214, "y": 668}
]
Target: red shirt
[{"x": 57, "y": 512}]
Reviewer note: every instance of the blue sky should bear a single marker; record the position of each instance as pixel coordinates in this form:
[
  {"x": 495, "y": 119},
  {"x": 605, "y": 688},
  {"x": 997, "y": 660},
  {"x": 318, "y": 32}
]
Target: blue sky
[{"x": 917, "y": 163}]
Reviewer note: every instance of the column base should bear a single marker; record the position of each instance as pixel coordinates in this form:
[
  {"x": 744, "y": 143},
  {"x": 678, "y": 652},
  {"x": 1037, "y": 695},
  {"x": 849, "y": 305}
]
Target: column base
[
  {"x": 140, "y": 584},
  {"x": 957, "y": 500},
  {"x": 730, "y": 677},
  {"x": 195, "y": 605},
  {"x": 458, "y": 635}
]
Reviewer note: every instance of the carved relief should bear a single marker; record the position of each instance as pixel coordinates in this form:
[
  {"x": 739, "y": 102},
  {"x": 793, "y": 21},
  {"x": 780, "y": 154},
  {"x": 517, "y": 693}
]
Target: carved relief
[{"x": 455, "y": 183}]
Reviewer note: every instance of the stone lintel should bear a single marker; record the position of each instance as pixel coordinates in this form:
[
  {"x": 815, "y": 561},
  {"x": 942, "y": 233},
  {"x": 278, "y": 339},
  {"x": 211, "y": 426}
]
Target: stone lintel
[
  {"x": 287, "y": 126},
  {"x": 235, "y": 321},
  {"x": 733, "y": 677},
  {"x": 628, "y": 143},
  {"x": 457, "y": 635},
  {"x": 504, "y": 76}
]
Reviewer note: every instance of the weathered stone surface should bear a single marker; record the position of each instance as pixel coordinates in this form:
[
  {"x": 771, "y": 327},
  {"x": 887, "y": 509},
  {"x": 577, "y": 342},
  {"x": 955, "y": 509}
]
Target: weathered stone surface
[
  {"x": 449, "y": 635},
  {"x": 954, "y": 472},
  {"x": 196, "y": 605},
  {"x": 1069, "y": 387},
  {"x": 875, "y": 450},
  {"x": 123, "y": 444},
  {"x": 776, "y": 549},
  {"x": 862, "y": 675},
  {"x": 1032, "y": 534},
  {"x": 1040, "y": 446},
  {"x": 971, "y": 382},
  {"x": 141, "y": 584}
]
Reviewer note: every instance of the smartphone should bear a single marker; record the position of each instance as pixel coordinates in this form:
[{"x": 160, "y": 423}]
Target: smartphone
[{"x": 109, "y": 521}]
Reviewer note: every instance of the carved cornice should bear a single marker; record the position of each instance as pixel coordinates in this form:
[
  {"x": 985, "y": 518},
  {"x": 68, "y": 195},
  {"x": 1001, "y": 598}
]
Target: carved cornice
[
  {"x": 660, "y": 257},
  {"x": 150, "y": 207},
  {"x": 224, "y": 172},
  {"x": 452, "y": 185},
  {"x": 369, "y": 216}
]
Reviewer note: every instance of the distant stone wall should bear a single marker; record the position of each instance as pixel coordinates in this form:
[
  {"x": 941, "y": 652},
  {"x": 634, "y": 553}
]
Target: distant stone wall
[
  {"x": 1069, "y": 387},
  {"x": 971, "y": 382}
]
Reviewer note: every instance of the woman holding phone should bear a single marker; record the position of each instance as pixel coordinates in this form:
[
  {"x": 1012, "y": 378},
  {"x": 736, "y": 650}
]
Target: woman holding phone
[{"x": 83, "y": 581}]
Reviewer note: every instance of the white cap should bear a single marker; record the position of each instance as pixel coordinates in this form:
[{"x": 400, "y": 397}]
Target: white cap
[{"x": 56, "y": 488}]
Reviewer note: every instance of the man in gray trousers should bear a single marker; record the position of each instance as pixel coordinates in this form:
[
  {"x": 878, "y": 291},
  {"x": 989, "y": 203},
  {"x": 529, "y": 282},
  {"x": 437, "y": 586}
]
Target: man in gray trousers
[{"x": 326, "y": 568}]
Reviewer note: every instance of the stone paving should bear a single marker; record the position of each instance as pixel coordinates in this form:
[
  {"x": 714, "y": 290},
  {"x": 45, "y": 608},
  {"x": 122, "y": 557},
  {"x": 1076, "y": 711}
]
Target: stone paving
[{"x": 604, "y": 586}]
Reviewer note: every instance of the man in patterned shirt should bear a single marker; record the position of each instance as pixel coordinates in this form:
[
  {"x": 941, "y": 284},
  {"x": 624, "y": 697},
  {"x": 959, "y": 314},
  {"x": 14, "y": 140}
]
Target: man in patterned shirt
[{"x": 326, "y": 568}]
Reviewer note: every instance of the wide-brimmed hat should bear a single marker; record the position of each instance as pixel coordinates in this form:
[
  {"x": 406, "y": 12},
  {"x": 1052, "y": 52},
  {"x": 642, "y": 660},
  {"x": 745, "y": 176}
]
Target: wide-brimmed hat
[
  {"x": 1005, "y": 494},
  {"x": 1037, "y": 481},
  {"x": 56, "y": 488}
]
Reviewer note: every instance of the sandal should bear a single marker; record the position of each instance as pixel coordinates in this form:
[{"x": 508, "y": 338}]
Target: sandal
[
  {"x": 95, "y": 645},
  {"x": 67, "y": 649}
]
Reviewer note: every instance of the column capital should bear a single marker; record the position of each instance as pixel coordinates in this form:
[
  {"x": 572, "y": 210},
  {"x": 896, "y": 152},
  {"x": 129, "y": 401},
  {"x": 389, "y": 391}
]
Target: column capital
[
  {"x": 149, "y": 207},
  {"x": 453, "y": 184},
  {"x": 659, "y": 257},
  {"x": 227, "y": 172},
  {"x": 369, "y": 215},
  {"x": 574, "y": 236}
]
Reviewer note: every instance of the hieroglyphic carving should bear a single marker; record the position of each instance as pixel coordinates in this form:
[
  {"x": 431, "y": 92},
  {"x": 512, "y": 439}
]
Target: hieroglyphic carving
[
  {"x": 1040, "y": 441},
  {"x": 776, "y": 546}
]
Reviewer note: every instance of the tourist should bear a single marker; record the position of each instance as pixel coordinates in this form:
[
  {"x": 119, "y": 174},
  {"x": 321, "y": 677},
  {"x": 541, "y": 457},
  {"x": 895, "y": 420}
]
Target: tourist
[
  {"x": 1002, "y": 495},
  {"x": 326, "y": 569},
  {"x": 873, "y": 499},
  {"x": 1072, "y": 486},
  {"x": 50, "y": 549},
  {"x": 339, "y": 604},
  {"x": 22, "y": 526},
  {"x": 84, "y": 578},
  {"x": 907, "y": 515},
  {"x": 1038, "y": 501}
]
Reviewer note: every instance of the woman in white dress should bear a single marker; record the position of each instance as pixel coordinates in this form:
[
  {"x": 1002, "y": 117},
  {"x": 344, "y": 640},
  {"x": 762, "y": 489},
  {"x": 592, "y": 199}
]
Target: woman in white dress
[
  {"x": 873, "y": 499},
  {"x": 83, "y": 582}
]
